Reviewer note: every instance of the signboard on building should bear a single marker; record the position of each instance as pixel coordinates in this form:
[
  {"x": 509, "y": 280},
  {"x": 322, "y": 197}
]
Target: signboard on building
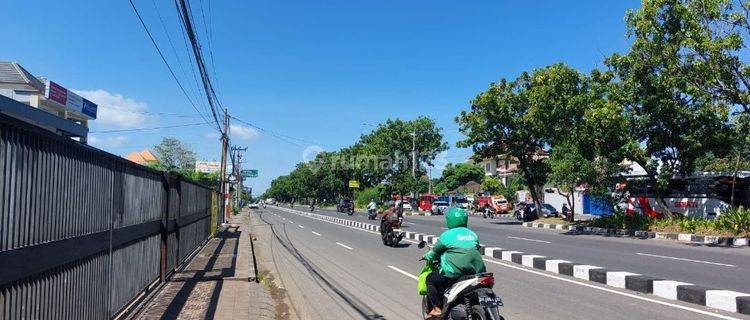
[
  {"x": 70, "y": 100},
  {"x": 250, "y": 173},
  {"x": 207, "y": 166}
]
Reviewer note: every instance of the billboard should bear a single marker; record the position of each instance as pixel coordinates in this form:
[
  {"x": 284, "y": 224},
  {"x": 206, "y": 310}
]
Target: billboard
[
  {"x": 207, "y": 166},
  {"x": 70, "y": 100}
]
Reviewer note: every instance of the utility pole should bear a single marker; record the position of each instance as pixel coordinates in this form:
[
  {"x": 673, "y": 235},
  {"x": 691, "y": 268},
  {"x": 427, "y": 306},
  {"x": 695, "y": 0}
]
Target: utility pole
[
  {"x": 429, "y": 180},
  {"x": 238, "y": 174},
  {"x": 413, "y": 160},
  {"x": 223, "y": 172}
]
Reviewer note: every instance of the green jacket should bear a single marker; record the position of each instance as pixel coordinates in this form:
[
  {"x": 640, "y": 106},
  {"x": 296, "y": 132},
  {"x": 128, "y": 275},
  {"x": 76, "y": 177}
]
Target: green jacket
[{"x": 458, "y": 249}]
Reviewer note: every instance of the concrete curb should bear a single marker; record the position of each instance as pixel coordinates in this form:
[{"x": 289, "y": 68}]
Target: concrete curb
[
  {"x": 681, "y": 237},
  {"x": 672, "y": 290}
]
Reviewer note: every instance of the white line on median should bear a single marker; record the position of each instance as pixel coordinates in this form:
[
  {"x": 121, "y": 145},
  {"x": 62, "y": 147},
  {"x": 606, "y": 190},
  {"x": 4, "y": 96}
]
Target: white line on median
[
  {"x": 404, "y": 273},
  {"x": 315, "y": 233},
  {"x": 683, "y": 259},
  {"x": 301, "y": 227},
  {"x": 720, "y": 316},
  {"x": 527, "y": 239},
  {"x": 345, "y": 246}
]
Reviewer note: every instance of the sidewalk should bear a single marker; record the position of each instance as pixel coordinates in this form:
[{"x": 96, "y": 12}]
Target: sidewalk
[{"x": 215, "y": 284}]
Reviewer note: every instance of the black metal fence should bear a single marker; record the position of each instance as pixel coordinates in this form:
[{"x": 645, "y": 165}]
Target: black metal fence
[{"x": 85, "y": 234}]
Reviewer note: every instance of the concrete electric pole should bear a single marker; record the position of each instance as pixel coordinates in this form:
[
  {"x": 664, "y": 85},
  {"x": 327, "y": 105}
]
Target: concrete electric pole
[{"x": 223, "y": 188}]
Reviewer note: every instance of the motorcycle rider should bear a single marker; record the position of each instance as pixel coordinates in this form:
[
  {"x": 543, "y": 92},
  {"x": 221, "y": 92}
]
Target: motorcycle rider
[
  {"x": 458, "y": 250},
  {"x": 371, "y": 207}
]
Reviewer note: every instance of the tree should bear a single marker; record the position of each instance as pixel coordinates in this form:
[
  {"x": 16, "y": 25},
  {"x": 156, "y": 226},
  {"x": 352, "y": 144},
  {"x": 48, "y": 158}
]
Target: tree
[
  {"x": 461, "y": 173},
  {"x": 491, "y": 185},
  {"x": 500, "y": 123},
  {"x": 387, "y": 151},
  {"x": 670, "y": 86},
  {"x": 174, "y": 155}
]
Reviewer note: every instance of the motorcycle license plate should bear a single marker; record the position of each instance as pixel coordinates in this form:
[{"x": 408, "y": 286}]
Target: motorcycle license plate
[{"x": 490, "y": 302}]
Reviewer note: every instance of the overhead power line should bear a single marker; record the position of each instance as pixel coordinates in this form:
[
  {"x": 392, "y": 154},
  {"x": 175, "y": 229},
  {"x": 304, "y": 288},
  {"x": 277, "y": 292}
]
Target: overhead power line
[
  {"x": 280, "y": 136},
  {"x": 184, "y": 8},
  {"x": 163, "y": 59},
  {"x": 152, "y": 128}
]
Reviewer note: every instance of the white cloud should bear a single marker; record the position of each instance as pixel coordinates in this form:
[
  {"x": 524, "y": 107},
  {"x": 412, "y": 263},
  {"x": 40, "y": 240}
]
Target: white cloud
[
  {"x": 243, "y": 132},
  {"x": 108, "y": 142},
  {"x": 212, "y": 135},
  {"x": 118, "y": 111}
]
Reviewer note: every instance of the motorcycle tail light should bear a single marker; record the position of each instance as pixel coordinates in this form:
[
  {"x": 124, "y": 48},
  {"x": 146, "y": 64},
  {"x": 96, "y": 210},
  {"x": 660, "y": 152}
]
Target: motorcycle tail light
[{"x": 487, "y": 281}]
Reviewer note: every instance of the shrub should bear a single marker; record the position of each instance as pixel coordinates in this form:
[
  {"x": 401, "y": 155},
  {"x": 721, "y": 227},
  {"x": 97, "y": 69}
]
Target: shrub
[{"x": 736, "y": 221}]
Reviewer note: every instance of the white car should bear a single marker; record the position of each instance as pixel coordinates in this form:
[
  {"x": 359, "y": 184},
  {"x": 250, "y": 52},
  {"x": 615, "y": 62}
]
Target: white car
[
  {"x": 406, "y": 205},
  {"x": 254, "y": 205},
  {"x": 439, "y": 207}
]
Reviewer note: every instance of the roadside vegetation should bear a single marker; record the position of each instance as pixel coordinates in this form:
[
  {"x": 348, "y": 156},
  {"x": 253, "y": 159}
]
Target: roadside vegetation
[{"x": 735, "y": 223}]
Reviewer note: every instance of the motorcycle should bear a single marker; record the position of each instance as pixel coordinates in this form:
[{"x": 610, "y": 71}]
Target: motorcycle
[
  {"x": 470, "y": 298},
  {"x": 488, "y": 212},
  {"x": 350, "y": 211},
  {"x": 312, "y": 207},
  {"x": 371, "y": 214},
  {"x": 388, "y": 230}
]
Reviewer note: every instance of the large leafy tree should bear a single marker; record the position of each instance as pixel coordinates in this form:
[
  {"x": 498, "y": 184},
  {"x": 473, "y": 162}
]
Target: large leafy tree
[
  {"x": 670, "y": 86},
  {"x": 459, "y": 174},
  {"x": 387, "y": 151},
  {"x": 174, "y": 155}
]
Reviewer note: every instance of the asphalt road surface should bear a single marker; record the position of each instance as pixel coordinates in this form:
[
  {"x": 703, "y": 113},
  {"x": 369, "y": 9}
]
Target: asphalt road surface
[
  {"x": 331, "y": 271},
  {"x": 714, "y": 267}
]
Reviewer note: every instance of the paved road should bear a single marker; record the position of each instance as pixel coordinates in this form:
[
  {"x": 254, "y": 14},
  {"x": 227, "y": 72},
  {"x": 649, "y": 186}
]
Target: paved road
[
  {"x": 339, "y": 272},
  {"x": 722, "y": 268}
]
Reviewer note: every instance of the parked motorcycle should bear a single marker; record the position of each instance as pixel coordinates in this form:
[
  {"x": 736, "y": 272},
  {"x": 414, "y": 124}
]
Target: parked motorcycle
[{"x": 471, "y": 297}]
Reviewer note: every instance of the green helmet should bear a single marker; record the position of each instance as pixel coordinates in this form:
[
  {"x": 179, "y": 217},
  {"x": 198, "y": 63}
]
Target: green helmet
[{"x": 456, "y": 217}]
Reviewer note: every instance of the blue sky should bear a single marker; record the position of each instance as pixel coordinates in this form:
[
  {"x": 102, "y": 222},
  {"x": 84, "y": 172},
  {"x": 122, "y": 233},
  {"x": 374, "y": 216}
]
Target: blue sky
[{"x": 318, "y": 71}]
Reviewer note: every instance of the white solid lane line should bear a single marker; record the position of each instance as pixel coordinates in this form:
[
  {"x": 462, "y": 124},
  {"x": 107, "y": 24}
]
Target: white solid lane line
[
  {"x": 527, "y": 239},
  {"x": 315, "y": 233},
  {"x": 683, "y": 259},
  {"x": 345, "y": 246},
  {"x": 716, "y": 315},
  {"x": 301, "y": 227},
  {"x": 404, "y": 272}
]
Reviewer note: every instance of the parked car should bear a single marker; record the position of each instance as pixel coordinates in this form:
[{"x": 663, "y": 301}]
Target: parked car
[
  {"x": 345, "y": 205},
  {"x": 547, "y": 210},
  {"x": 501, "y": 205},
  {"x": 254, "y": 205},
  {"x": 439, "y": 207}
]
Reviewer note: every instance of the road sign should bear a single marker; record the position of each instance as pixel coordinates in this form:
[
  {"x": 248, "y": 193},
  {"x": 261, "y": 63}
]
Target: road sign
[
  {"x": 250, "y": 173},
  {"x": 354, "y": 184}
]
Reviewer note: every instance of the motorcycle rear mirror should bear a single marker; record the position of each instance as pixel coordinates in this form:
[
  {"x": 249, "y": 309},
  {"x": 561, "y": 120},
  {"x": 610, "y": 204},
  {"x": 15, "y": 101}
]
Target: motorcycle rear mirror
[{"x": 421, "y": 244}]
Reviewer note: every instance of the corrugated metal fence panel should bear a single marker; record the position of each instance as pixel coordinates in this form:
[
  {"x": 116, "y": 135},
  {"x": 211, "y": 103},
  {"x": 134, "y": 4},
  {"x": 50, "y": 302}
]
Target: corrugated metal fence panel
[
  {"x": 74, "y": 291},
  {"x": 54, "y": 189},
  {"x": 50, "y": 191},
  {"x": 134, "y": 267}
]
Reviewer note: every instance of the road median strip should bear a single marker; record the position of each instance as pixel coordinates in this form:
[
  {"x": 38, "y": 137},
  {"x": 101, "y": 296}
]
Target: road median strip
[
  {"x": 641, "y": 234},
  {"x": 726, "y": 300}
]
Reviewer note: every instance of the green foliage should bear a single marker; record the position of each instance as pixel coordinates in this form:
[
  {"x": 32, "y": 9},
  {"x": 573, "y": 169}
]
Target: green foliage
[
  {"x": 459, "y": 174},
  {"x": 174, "y": 155},
  {"x": 491, "y": 185},
  {"x": 366, "y": 195},
  {"x": 381, "y": 156},
  {"x": 208, "y": 179},
  {"x": 736, "y": 221}
]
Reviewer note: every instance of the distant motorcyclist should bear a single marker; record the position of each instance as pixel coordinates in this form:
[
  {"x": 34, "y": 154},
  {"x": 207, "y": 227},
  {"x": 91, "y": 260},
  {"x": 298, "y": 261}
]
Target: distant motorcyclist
[
  {"x": 372, "y": 206},
  {"x": 458, "y": 250}
]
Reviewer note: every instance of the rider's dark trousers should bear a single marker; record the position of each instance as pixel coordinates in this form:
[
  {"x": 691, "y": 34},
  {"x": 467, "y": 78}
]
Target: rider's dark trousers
[{"x": 436, "y": 285}]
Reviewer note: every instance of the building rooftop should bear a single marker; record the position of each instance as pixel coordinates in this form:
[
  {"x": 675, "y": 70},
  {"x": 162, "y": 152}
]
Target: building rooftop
[{"x": 141, "y": 157}]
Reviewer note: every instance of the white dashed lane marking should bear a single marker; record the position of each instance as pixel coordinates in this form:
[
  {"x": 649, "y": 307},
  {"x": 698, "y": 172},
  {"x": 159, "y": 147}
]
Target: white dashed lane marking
[{"x": 345, "y": 246}]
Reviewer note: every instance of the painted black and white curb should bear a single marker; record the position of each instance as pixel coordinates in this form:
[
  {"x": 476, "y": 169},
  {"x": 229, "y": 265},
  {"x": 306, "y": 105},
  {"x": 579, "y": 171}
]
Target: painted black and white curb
[
  {"x": 681, "y": 237},
  {"x": 726, "y": 300}
]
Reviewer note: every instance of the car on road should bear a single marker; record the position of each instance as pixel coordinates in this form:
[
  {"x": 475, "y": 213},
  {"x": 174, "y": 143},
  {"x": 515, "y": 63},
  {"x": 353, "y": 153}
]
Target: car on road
[
  {"x": 439, "y": 207},
  {"x": 254, "y": 205},
  {"x": 345, "y": 205},
  {"x": 461, "y": 202},
  {"x": 406, "y": 205}
]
